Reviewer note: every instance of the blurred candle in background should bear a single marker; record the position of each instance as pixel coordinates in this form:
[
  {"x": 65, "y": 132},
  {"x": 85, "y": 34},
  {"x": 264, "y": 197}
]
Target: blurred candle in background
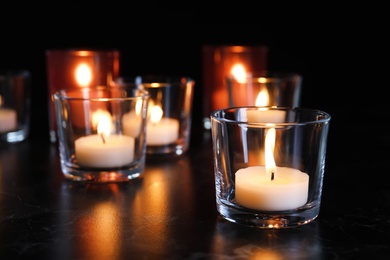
[
  {"x": 220, "y": 62},
  {"x": 161, "y": 131},
  {"x": 279, "y": 89},
  {"x": 71, "y": 68}
]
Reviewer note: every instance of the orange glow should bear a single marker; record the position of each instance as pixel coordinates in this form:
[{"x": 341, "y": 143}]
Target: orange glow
[
  {"x": 150, "y": 209},
  {"x": 269, "y": 254},
  {"x": 269, "y": 147},
  {"x": 238, "y": 71},
  {"x": 83, "y": 74},
  {"x": 156, "y": 114},
  {"x": 104, "y": 229},
  {"x": 101, "y": 120},
  {"x": 262, "y": 98}
]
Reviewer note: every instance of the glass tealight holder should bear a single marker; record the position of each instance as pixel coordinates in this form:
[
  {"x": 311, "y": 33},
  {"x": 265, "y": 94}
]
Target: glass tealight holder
[
  {"x": 15, "y": 105},
  {"x": 102, "y": 133},
  {"x": 269, "y": 164},
  {"x": 169, "y": 115}
]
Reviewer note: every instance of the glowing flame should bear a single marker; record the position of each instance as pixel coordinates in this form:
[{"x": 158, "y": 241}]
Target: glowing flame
[
  {"x": 262, "y": 98},
  {"x": 238, "y": 72},
  {"x": 156, "y": 114},
  {"x": 269, "y": 147},
  {"x": 83, "y": 74},
  {"x": 102, "y": 120}
]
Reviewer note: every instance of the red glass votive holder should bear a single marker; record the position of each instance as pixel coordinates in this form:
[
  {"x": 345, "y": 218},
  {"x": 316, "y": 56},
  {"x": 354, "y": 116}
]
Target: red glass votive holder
[
  {"x": 78, "y": 68},
  {"x": 220, "y": 62}
]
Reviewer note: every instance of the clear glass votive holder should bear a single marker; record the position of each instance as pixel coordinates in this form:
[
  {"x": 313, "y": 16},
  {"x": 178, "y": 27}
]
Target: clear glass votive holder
[
  {"x": 101, "y": 133},
  {"x": 269, "y": 164},
  {"x": 170, "y": 112},
  {"x": 15, "y": 105},
  {"x": 78, "y": 68},
  {"x": 281, "y": 89}
]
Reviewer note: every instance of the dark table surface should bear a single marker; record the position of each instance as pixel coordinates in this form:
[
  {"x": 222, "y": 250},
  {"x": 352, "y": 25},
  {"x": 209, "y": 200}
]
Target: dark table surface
[{"x": 170, "y": 212}]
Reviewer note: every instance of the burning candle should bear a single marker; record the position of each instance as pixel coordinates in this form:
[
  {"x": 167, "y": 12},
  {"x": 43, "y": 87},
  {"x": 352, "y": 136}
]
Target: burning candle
[
  {"x": 161, "y": 131},
  {"x": 264, "y": 115},
  {"x": 83, "y": 75},
  {"x": 256, "y": 190},
  {"x": 238, "y": 71},
  {"x": 104, "y": 150},
  {"x": 271, "y": 188}
]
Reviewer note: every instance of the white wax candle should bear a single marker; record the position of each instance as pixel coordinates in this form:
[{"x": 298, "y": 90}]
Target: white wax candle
[
  {"x": 8, "y": 120},
  {"x": 131, "y": 124},
  {"x": 115, "y": 151},
  {"x": 165, "y": 131},
  {"x": 266, "y": 116},
  {"x": 288, "y": 190}
]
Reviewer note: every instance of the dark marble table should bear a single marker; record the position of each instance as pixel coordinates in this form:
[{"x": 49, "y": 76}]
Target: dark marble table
[{"x": 170, "y": 212}]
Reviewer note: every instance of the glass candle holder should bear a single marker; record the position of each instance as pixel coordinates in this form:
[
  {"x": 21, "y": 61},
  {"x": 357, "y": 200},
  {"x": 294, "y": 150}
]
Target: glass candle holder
[
  {"x": 78, "y": 68},
  {"x": 15, "y": 104},
  {"x": 170, "y": 112},
  {"x": 102, "y": 133},
  {"x": 269, "y": 164}
]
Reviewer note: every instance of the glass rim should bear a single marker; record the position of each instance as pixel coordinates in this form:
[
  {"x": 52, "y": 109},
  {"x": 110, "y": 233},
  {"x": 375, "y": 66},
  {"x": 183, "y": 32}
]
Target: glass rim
[
  {"x": 268, "y": 77},
  {"x": 153, "y": 80},
  {"x": 325, "y": 117},
  {"x": 63, "y": 94},
  {"x": 81, "y": 51}
]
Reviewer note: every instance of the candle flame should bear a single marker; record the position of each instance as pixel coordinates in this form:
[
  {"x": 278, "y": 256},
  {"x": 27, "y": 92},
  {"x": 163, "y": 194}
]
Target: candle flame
[
  {"x": 156, "y": 114},
  {"x": 83, "y": 74},
  {"x": 238, "y": 72},
  {"x": 102, "y": 120},
  {"x": 262, "y": 98},
  {"x": 269, "y": 147}
]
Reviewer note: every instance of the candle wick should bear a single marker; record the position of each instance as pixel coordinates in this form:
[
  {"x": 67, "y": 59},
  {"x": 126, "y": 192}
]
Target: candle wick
[
  {"x": 272, "y": 176},
  {"x": 102, "y": 136}
]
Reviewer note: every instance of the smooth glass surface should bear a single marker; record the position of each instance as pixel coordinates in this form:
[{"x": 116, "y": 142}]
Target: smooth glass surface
[
  {"x": 269, "y": 164},
  {"x": 170, "y": 112},
  {"x": 101, "y": 133},
  {"x": 15, "y": 105}
]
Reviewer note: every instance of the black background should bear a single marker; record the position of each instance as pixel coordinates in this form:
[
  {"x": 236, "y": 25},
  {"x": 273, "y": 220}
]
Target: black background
[{"x": 339, "y": 50}]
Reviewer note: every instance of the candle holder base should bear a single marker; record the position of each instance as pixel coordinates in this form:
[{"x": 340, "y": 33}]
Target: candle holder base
[
  {"x": 175, "y": 149},
  {"x": 268, "y": 219},
  {"x": 103, "y": 175}
]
